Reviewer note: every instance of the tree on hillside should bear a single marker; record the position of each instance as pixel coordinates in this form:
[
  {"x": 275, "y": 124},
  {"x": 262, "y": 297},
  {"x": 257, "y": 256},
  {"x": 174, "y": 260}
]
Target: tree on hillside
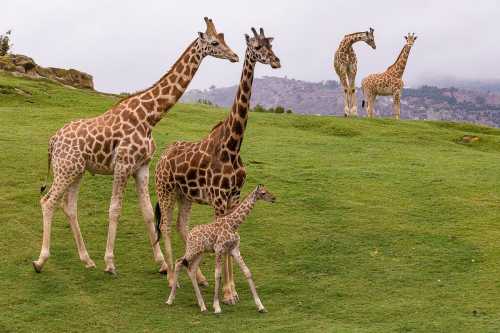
[{"x": 5, "y": 44}]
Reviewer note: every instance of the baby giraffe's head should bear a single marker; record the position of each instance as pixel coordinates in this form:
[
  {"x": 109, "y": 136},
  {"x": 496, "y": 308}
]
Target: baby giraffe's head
[
  {"x": 263, "y": 194},
  {"x": 410, "y": 39},
  {"x": 260, "y": 49}
]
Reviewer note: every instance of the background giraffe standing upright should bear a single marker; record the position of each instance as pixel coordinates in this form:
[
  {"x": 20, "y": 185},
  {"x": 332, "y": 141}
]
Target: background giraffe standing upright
[
  {"x": 346, "y": 67},
  {"x": 119, "y": 143},
  {"x": 210, "y": 171},
  {"x": 389, "y": 82}
]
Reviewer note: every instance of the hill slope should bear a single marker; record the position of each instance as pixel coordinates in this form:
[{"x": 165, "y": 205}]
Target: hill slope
[
  {"x": 327, "y": 98},
  {"x": 380, "y": 226}
]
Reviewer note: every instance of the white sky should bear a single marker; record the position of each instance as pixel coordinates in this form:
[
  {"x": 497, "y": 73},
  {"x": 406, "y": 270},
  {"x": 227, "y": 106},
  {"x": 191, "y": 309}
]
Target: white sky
[{"x": 128, "y": 45}]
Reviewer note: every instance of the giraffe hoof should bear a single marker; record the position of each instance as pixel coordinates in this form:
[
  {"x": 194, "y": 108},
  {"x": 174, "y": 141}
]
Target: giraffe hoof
[
  {"x": 263, "y": 310},
  {"x": 171, "y": 284},
  {"x": 230, "y": 300},
  {"x": 218, "y": 311},
  {"x": 203, "y": 283},
  {"x": 163, "y": 269},
  {"x": 90, "y": 264},
  {"x": 37, "y": 267},
  {"x": 111, "y": 271}
]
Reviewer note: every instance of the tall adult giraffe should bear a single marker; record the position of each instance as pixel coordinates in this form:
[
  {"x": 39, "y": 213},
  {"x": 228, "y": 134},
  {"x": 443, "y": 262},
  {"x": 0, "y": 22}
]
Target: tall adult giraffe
[
  {"x": 346, "y": 67},
  {"x": 210, "y": 171},
  {"x": 389, "y": 82},
  {"x": 119, "y": 143}
]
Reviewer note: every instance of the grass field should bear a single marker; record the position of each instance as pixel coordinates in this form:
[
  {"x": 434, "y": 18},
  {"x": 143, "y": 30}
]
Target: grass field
[{"x": 380, "y": 226}]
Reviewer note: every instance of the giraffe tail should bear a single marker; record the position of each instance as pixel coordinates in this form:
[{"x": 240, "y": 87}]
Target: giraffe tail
[
  {"x": 158, "y": 221},
  {"x": 363, "y": 104},
  {"x": 51, "y": 147}
]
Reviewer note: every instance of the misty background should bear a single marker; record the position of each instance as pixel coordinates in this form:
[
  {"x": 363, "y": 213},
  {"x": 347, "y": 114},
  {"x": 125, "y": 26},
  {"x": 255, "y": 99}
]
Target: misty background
[{"x": 128, "y": 45}]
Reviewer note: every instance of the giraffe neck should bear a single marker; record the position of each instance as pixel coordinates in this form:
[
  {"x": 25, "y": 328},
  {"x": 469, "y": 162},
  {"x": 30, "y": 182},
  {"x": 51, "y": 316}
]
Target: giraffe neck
[
  {"x": 153, "y": 103},
  {"x": 234, "y": 125},
  {"x": 349, "y": 40},
  {"x": 240, "y": 213},
  {"x": 397, "y": 69}
]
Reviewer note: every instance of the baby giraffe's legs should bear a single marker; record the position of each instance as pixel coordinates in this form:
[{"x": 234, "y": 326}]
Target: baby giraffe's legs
[
  {"x": 192, "y": 268},
  {"x": 178, "y": 267},
  {"x": 230, "y": 294},
  {"x": 218, "y": 274},
  {"x": 237, "y": 257}
]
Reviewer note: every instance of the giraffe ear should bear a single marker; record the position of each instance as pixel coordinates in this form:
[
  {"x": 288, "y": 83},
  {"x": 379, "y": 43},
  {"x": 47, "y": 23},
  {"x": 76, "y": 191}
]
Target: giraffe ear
[
  {"x": 202, "y": 35},
  {"x": 247, "y": 38},
  {"x": 270, "y": 39}
]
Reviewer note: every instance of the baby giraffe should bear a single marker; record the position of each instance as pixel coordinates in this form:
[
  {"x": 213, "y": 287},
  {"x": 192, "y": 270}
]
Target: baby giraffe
[{"x": 221, "y": 237}]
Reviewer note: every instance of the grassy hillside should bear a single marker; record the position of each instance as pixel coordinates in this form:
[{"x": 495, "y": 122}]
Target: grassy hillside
[{"x": 380, "y": 226}]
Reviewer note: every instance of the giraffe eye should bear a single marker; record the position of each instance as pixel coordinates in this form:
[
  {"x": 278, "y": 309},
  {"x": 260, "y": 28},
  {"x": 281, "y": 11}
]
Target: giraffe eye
[
  {"x": 215, "y": 43},
  {"x": 258, "y": 47}
]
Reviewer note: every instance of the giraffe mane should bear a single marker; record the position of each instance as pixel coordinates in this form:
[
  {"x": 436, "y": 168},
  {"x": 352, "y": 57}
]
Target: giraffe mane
[
  {"x": 163, "y": 77},
  {"x": 397, "y": 59},
  {"x": 217, "y": 125}
]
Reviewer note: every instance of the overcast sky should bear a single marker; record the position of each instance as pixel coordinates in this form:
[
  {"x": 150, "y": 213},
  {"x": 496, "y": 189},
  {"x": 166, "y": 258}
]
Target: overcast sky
[{"x": 128, "y": 45}]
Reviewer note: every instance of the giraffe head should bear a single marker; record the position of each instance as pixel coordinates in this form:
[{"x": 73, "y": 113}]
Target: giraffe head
[
  {"x": 410, "y": 38},
  {"x": 263, "y": 194},
  {"x": 369, "y": 38},
  {"x": 260, "y": 49},
  {"x": 213, "y": 43}
]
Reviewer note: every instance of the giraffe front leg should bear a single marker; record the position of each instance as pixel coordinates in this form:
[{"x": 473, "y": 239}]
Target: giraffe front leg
[
  {"x": 119, "y": 183},
  {"x": 192, "y": 268},
  {"x": 142, "y": 182},
  {"x": 354, "y": 104},
  {"x": 230, "y": 295},
  {"x": 248, "y": 275},
  {"x": 397, "y": 104},
  {"x": 174, "y": 285},
  {"x": 345, "y": 86},
  {"x": 182, "y": 227},
  {"x": 371, "y": 105},
  {"x": 218, "y": 274}
]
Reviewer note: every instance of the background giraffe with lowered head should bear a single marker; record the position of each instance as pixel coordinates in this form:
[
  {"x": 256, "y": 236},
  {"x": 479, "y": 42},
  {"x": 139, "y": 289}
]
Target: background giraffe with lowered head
[
  {"x": 210, "y": 171},
  {"x": 346, "y": 67},
  {"x": 389, "y": 82},
  {"x": 119, "y": 143}
]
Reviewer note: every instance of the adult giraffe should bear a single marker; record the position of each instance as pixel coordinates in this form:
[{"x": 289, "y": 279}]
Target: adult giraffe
[
  {"x": 389, "y": 82},
  {"x": 346, "y": 67},
  {"x": 119, "y": 143},
  {"x": 210, "y": 171}
]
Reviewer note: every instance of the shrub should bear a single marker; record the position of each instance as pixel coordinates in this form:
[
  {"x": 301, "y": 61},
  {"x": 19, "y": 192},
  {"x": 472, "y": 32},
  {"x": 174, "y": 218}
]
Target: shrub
[
  {"x": 259, "y": 108},
  {"x": 5, "y": 44},
  {"x": 279, "y": 109}
]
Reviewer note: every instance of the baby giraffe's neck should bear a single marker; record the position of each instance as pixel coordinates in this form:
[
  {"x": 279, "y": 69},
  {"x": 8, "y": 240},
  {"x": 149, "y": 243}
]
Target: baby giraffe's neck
[{"x": 240, "y": 213}]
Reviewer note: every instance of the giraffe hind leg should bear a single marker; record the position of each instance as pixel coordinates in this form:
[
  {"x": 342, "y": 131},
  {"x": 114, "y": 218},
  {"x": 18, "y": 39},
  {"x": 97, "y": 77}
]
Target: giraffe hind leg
[
  {"x": 49, "y": 202},
  {"x": 69, "y": 206}
]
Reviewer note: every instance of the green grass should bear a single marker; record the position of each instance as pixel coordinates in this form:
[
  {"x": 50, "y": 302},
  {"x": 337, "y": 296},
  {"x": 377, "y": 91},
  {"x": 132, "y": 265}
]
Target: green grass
[{"x": 380, "y": 226}]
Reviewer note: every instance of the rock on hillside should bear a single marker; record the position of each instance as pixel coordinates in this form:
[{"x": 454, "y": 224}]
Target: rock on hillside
[
  {"x": 23, "y": 65},
  {"x": 326, "y": 98}
]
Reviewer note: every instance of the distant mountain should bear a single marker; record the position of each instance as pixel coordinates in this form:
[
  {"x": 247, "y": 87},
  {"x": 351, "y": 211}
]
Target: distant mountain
[
  {"x": 490, "y": 85},
  {"x": 326, "y": 98}
]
